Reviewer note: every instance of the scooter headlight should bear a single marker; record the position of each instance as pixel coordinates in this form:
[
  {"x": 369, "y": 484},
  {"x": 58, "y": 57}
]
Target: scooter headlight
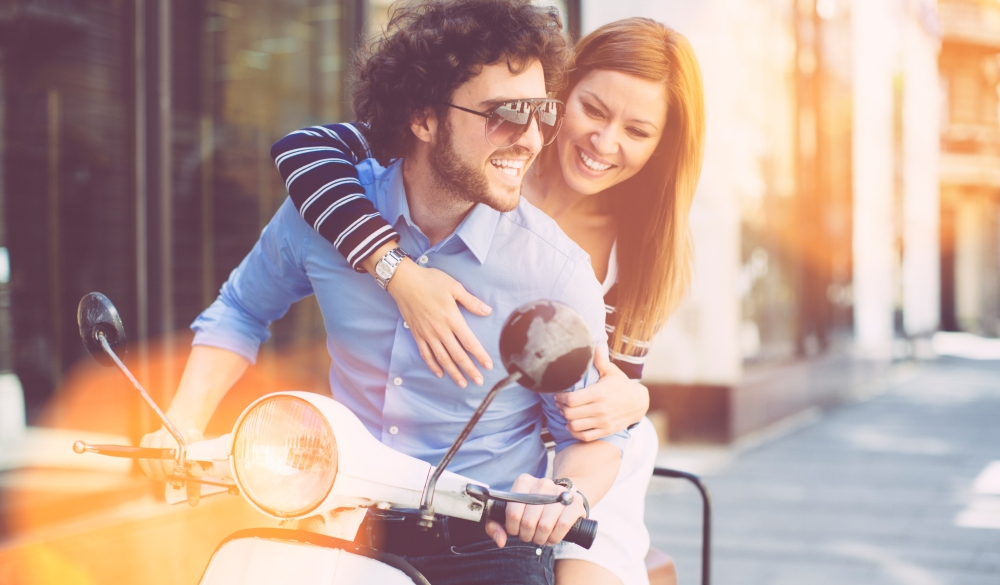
[{"x": 285, "y": 456}]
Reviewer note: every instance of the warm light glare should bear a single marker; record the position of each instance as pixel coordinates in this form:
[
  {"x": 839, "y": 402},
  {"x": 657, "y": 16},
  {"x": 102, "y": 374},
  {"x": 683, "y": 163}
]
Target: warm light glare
[{"x": 285, "y": 456}]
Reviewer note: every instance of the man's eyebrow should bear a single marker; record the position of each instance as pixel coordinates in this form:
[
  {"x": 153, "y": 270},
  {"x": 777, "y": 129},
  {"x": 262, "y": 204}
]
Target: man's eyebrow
[{"x": 606, "y": 108}]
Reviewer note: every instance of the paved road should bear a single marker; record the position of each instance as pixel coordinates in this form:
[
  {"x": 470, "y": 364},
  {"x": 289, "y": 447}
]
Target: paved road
[{"x": 880, "y": 492}]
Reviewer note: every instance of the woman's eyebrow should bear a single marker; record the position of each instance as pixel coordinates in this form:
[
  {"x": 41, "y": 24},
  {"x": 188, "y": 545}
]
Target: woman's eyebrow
[{"x": 606, "y": 108}]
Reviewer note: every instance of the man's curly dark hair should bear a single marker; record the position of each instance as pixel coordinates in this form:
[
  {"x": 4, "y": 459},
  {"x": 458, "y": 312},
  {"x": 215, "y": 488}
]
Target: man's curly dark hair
[{"x": 432, "y": 47}]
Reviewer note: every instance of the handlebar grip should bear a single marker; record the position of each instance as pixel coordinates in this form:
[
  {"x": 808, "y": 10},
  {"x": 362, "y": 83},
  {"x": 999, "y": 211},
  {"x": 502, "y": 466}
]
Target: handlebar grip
[{"x": 583, "y": 532}]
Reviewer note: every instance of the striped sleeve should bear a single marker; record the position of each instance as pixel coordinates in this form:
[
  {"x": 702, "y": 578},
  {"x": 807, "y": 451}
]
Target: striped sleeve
[
  {"x": 630, "y": 363},
  {"x": 317, "y": 165}
]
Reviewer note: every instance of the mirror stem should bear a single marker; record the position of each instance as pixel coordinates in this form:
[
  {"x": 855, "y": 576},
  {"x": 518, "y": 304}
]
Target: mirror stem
[
  {"x": 427, "y": 500},
  {"x": 181, "y": 454}
]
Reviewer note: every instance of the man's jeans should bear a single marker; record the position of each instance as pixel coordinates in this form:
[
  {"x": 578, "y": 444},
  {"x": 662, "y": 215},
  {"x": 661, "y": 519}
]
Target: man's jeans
[{"x": 483, "y": 563}]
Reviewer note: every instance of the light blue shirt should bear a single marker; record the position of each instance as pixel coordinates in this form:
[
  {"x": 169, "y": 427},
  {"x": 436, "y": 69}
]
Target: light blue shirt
[{"x": 505, "y": 259}]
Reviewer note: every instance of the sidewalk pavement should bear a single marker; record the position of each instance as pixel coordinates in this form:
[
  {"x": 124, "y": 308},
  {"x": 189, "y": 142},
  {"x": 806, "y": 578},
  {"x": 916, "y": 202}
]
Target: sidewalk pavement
[{"x": 897, "y": 489}]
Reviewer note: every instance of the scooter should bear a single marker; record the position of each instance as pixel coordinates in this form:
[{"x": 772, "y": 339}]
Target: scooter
[{"x": 298, "y": 456}]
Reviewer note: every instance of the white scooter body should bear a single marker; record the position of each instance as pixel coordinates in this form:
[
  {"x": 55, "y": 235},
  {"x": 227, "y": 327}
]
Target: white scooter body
[
  {"x": 369, "y": 474},
  {"x": 366, "y": 473}
]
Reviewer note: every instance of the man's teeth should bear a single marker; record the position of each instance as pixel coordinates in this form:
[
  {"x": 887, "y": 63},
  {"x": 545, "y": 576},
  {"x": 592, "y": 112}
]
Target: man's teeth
[
  {"x": 593, "y": 164},
  {"x": 509, "y": 167}
]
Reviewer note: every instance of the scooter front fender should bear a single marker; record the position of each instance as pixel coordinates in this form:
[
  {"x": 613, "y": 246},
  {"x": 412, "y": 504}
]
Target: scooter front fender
[{"x": 267, "y": 556}]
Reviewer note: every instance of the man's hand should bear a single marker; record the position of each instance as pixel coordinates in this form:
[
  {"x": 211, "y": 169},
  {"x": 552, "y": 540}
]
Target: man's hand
[
  {"x": 542, "y": 525},
  {"x": 161, "y": 469}
]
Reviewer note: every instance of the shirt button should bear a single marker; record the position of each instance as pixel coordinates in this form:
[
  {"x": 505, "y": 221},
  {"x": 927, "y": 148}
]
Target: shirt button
[
  {"x": 423, "y": 259},
  {"x": 399, "y": 382},
  {"x": 406, "y": 325},
  {"x": 393, "y": 430}
]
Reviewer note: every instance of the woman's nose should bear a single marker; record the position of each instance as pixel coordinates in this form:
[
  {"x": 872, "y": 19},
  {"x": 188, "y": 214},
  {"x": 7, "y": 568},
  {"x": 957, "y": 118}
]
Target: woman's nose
[{"x": 603, "y": 140}]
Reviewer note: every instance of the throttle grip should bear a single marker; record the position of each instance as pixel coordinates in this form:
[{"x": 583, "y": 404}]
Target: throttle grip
[{"x": 583, "y": 532}]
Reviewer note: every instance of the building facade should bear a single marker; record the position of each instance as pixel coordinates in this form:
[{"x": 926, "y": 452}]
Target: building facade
[
  {"x": 970, "y": 166},
  {"x": 135, "y": 161}
]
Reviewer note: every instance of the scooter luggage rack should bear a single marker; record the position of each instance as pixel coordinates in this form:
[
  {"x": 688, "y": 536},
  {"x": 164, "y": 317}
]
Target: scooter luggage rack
[{"x": 706, "y": 516}]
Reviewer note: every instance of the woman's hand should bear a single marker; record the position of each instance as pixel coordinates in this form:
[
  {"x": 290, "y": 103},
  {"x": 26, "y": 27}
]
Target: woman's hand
[
  {"x": 428, "y": 299},
  {"x": 606, "y": 406}
]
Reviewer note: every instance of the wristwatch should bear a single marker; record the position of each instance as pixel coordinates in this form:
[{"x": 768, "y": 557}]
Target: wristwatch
[{"x": 386, "y": 267}]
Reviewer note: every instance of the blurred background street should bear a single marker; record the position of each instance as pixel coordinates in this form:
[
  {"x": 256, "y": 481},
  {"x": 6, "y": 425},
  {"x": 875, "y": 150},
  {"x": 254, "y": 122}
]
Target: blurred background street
[
  {"x": 901, "y": 487},
  {"x": 834, "y": 372}
]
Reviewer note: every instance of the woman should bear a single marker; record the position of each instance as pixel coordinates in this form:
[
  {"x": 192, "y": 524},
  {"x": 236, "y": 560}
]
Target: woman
[{"x": 619, "y": 180}]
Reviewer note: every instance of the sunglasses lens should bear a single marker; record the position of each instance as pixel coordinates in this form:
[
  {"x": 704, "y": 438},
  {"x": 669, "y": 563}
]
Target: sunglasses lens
[
  {"x": 509, "y": 121},
  {"x": 550, "y": 119}
]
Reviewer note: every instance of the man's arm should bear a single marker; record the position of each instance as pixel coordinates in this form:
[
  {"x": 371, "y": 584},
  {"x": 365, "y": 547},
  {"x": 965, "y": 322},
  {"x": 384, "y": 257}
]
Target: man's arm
[
  {"x": 210, "y": 373},
  {"x": 229, "y": 332},
  {"x": 593, "y": 466}
]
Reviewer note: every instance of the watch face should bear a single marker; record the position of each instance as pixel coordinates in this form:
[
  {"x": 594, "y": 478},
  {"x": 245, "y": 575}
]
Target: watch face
[{"x": 383, "y": 270}]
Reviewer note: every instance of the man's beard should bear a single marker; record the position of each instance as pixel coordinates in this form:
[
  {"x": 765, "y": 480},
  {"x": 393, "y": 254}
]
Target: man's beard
[{"x": 464, "y": 182}]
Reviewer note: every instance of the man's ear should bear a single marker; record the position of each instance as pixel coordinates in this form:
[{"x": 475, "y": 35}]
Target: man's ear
[{"x": 424, "y": 124}]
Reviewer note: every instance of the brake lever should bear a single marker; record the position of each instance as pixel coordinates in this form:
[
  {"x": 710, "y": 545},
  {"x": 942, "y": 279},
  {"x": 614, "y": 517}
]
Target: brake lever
[
  {"x": 483, "y": 494},
  {"x": 126, "y": 451}
]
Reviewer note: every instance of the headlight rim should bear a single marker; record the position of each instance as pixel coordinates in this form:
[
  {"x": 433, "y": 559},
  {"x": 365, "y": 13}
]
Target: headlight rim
[{"x": 302, "y": 512}]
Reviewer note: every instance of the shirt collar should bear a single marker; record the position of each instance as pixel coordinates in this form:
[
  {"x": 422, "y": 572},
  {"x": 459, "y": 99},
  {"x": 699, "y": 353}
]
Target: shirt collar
[
  {"x": 476, "y": 230},
  {"x": 396, "y": 205}
]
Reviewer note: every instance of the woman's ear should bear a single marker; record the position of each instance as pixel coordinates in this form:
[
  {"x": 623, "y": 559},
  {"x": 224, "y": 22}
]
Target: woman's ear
[{"x": 424, "y": 125}]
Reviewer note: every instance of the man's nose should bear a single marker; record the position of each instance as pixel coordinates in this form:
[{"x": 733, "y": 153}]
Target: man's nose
[{"x": 532, "y": 137}]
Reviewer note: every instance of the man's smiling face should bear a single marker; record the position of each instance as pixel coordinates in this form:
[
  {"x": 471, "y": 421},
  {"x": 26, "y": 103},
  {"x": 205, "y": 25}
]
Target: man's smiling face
[{"x": 464, "y": 162}]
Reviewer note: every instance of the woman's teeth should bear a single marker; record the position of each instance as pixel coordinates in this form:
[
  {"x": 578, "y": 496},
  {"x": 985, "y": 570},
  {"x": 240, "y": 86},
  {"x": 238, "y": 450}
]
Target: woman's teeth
[
  {"x": 509, "y": 167},
  {"x": 593, "y": 164}
]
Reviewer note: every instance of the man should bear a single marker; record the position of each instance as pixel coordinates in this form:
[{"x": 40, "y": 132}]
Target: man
[{"x": 453, "y": 198}]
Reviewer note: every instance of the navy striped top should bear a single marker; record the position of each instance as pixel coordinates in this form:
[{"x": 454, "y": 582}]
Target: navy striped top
[{"x": 317, "y": 164}]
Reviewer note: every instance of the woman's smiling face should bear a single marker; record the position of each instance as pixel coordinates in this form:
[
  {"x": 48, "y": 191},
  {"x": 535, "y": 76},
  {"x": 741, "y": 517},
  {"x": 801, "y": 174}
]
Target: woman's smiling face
[{"x": 613, "y": 124}]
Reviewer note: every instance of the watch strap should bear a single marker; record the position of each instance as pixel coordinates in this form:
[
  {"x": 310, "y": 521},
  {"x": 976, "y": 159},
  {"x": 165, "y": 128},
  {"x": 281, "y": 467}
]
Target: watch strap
[{"x": 389, "y": 262}]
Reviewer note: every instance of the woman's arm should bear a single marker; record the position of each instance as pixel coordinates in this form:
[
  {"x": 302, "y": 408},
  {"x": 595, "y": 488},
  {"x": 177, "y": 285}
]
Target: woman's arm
[{"x": 317, "y": 164}]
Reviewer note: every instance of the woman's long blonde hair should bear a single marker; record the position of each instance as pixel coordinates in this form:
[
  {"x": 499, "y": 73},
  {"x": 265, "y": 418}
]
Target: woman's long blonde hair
[{"x": 651, "y": 208}]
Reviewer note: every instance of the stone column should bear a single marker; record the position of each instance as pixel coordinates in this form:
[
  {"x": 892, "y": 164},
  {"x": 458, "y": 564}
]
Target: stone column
[
  {"x": 921, "y": 180},
  {"x": 875, "y": 52}
]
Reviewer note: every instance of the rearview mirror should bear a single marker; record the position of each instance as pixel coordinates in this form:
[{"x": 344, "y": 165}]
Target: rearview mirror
[
  {"x": 548, "y": 343},
  {"x": 97, "y": 314}
]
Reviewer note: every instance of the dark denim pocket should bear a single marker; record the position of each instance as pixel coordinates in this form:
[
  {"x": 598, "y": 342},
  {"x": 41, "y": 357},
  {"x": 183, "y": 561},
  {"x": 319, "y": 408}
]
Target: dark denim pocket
[
  {"x": 517, "y": 547},
  {"x": 483, "y": 563}
]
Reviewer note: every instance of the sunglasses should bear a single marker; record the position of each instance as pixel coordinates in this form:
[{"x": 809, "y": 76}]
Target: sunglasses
[{"x": 507, "y": 122}]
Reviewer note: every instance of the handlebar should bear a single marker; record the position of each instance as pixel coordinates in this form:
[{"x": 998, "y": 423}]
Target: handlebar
[{"x": 583, "y": 532}]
